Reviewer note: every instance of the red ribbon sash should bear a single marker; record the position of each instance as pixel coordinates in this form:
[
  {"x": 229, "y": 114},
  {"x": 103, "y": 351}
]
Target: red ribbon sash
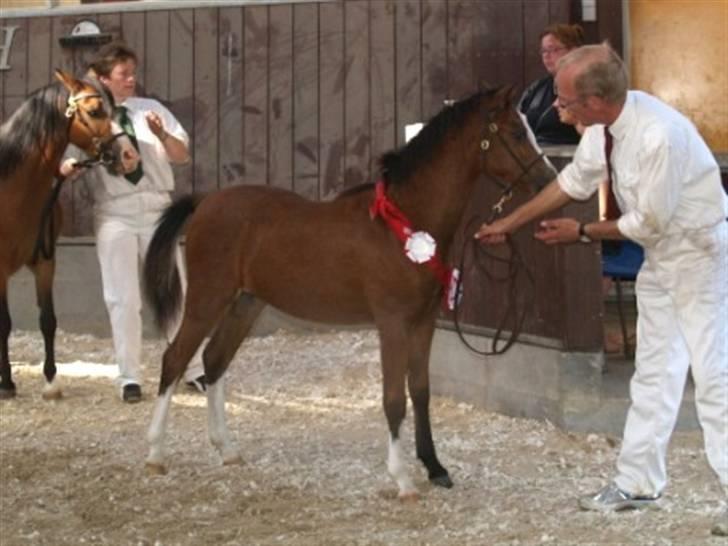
[{"x": 401, "y": 226}]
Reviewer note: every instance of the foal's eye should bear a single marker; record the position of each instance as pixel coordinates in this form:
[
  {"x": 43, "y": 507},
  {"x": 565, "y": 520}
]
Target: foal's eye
[{"x": 96, "y": 113}]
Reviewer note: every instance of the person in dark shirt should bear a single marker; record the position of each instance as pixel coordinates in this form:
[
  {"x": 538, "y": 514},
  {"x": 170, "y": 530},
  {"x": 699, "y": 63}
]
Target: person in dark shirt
[{"x": 538, "y": 99}]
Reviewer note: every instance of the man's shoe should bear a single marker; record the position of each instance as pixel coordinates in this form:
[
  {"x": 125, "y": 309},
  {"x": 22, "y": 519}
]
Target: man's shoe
[
  {"x": 611, "y": 498},
  {"x": 720, "y": 527},
  {"x": 199, "y": 384},
  {"x": 131, "y": 393}
]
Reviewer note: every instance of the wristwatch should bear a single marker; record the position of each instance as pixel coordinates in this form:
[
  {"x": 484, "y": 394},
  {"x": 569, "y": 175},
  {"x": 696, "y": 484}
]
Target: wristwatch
[{"x": 583, "y": 237}]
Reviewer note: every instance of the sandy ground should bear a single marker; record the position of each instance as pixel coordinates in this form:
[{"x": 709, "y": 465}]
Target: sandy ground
[{"x": 306, "y": 413}]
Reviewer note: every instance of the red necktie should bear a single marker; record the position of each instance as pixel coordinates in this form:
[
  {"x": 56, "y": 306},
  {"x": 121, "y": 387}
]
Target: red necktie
[{"x": 613, "y": 211}]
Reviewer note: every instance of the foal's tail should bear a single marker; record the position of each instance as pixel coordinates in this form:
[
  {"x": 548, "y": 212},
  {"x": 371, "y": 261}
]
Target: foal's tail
[{"x": 162, "y": 285}]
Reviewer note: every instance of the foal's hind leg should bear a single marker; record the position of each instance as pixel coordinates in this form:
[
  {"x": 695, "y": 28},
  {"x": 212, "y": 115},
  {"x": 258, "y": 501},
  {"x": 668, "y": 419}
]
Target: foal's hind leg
[
  {"x": 393, "y": 342},
  {"x": 7, "y": 387},
  {"x": 418, "y": 381},
  {"x": 44, "y": 272},
  {"x": 189, "y": 337},
  {"x": 228, "y": 336}
]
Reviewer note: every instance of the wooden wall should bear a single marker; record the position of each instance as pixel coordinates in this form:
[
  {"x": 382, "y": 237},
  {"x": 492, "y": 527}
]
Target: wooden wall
[
  {"x": 697, "y": 81},
  {"x": 306, "y": 96}
]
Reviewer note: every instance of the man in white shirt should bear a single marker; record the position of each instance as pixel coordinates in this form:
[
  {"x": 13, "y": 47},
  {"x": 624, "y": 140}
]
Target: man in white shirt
[
  {"x": 668, "y": 188},
  {"x": 127, "y": 208}
]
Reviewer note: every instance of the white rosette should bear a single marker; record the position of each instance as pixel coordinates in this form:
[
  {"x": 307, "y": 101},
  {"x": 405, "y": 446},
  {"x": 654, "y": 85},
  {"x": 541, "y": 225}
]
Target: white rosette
[{"x": 420, "y": 247}]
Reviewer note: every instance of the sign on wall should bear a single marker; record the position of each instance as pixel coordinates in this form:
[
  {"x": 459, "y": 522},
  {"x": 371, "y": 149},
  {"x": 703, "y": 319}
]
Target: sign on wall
[{"x": 6, "y": 42}]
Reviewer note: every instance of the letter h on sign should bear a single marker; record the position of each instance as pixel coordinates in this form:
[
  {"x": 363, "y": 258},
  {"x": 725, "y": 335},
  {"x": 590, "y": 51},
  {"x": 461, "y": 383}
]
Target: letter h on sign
[{"x": 5, "y": 45}]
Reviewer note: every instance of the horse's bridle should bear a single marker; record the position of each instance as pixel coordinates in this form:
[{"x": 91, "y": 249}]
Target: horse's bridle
[
  {"x": 506, "y": 188},
  {"x": 515, "y": 262},
  {"x": 46, "y": 248},
  {"x": 101, "y": 146}
]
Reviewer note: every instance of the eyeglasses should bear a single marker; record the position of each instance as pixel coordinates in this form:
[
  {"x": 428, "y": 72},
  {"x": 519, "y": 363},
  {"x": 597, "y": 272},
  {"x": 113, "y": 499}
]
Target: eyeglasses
[
  {"x": 565, "y": 104},
  {"x": 550, "y": 50}
]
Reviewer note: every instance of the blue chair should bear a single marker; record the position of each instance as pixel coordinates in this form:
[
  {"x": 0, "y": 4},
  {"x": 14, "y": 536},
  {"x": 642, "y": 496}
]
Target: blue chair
[{"x": 621, "y": 260}]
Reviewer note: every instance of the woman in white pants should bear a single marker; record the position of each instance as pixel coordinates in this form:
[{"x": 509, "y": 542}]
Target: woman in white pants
[{"x": 126, "y": 209}]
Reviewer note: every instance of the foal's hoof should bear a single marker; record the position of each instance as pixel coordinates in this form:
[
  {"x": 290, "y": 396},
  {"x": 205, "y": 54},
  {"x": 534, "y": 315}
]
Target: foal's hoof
[
  {"x": 232, "y": 459},
  {"x": 442, "y": 481},
  {"x": 52, "y": 392},
  {"x": 408, "y": 497},
  {"x": 7, "y": 394},
  {"x": 155, "y": 469}
]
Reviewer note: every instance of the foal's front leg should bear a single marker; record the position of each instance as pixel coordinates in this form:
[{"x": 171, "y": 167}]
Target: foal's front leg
[
  {"x": 7, "y": 387},
  {"x": 418, "y": 381},
  {"x": 393, "y": 344},
  {"x": 44, "y": 272}
]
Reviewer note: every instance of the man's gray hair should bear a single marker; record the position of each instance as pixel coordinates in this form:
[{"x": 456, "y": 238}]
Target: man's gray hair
[{"x": 600, "y": 72}]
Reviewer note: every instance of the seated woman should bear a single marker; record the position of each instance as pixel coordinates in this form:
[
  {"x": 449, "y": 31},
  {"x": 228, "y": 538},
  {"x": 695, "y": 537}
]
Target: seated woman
[{"x": 538, "y": 99}]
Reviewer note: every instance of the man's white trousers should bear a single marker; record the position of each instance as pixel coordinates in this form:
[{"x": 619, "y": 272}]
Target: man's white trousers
[{"x": 682, "y": 296}]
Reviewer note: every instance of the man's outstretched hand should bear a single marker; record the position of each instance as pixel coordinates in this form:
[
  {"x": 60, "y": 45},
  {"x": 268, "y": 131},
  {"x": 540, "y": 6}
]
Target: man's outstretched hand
[
  {"x": 558, "y": 230},
  {"x": 493, "y": 234},
  {"x": 550, "y": 232}
]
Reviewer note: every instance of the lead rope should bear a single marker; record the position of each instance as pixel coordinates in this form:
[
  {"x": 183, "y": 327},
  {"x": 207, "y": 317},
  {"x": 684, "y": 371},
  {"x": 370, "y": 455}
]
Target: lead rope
[
  {"x": 516, "y": 264},
  {"x": 46, "y": 247},
  {"x": 45, "y": 243},
  {"x": 515, "y": 261}
]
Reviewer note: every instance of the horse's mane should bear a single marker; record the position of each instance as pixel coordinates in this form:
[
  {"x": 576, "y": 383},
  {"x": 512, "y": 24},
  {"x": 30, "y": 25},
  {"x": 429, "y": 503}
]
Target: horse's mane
[
  {"x": 37, "y": 123},
  {"x": 398, "y": 165}
]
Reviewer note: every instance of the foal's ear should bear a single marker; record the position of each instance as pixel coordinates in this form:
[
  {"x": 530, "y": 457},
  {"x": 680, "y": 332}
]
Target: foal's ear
[
  {"x": 506, "y": 94},
  {"x": 71, "y": 83}
]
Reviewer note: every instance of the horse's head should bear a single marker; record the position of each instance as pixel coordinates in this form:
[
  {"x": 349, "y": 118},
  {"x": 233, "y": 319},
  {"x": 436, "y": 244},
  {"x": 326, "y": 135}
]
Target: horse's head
[
  {"x": 92, "y": 128},
  {"x": 510, "y": 152}
]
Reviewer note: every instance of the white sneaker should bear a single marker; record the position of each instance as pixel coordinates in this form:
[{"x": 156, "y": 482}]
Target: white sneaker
[{"x": 611, "y": 498}]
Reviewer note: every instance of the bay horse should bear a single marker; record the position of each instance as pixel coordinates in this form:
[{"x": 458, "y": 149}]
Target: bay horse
[
  {"x": 331, "y": 262},
  {"x": 32, "y": 143}
]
